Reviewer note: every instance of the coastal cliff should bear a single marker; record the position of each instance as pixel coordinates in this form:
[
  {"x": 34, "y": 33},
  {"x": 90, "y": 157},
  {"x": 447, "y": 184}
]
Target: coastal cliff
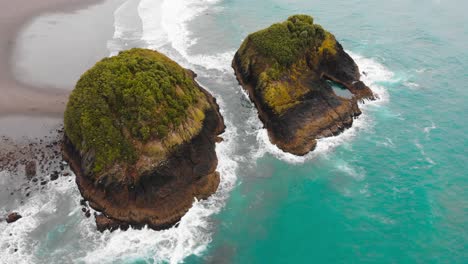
[
  {"x": 287, "y": 69},
  {"x": 140, "y": 136}
]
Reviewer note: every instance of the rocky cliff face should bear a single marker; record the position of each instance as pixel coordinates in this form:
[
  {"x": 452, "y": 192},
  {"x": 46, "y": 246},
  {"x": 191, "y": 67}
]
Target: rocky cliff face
[
  {"x": 286, "y": 70},
  {"x": 157, "y": 187},
  {"x": 163, "y": 195}
]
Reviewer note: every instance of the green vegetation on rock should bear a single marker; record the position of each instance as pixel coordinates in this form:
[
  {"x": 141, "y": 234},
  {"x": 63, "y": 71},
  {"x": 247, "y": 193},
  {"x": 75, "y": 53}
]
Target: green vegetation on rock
[
  {"x": 136, "y": 103},
  {"x": 288, "y": 40},
  {"x": 280, "y": 54}
]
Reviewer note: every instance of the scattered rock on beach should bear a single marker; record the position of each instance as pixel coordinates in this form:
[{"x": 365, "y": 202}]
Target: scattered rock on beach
[
  {"x": 13, "y": 217},
  {"x": 54, "y": 176}
]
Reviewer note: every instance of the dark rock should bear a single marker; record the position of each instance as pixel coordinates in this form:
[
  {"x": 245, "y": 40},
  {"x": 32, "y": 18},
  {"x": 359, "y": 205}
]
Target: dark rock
[
  {"x": 54, "y": 176},
  {"x": 104, "y": 223},
  {"x": 13, "y": 217},
  {"x": 189, "y": 172},
  {"x": 317, "y": 112}
]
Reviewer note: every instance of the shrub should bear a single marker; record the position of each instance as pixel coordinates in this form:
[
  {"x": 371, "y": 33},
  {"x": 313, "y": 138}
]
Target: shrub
[
  {"x": 279, "y": 54},
  {"x": 288, "y": 40}
]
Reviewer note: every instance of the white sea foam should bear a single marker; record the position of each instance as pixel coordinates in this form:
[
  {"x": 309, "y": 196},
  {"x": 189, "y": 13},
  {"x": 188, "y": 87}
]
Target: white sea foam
[
  {"x": 39, "y": 206},
  {"x": 411, "y": 85},
  {"x": 127, "y": 27},
  {"x": 376, "y": 75},
  {"x": 423, "y": 153},
  {"x": 166, "y": 22},
  {"x": 357, "y": 173},
  {"x": 151, "y": 14},
  {"x": 427, "y": 130},
  {"x": 388, "y": 142},
  {"x": 122, "y": 16}
]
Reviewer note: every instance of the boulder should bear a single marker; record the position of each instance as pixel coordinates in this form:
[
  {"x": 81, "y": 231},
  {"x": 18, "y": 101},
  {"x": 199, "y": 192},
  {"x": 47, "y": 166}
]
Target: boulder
[{"x": 13, "y": 217}]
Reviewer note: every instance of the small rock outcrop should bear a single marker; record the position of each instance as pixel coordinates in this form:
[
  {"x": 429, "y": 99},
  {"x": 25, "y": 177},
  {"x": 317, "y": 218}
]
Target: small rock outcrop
[
  {"x": 13, "y": 217},
  {"x": 288, "y": 70},
  {"x": 140, "y": 136}
]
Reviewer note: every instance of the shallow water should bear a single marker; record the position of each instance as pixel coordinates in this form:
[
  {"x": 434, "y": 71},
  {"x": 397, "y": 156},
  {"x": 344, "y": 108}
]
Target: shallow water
[{"x": 390, "y": 190}]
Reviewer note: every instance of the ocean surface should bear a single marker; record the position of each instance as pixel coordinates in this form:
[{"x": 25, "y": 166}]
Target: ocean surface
[{"x": 392, "y": 189}]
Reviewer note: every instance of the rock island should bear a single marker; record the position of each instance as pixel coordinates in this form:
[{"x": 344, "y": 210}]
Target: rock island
[
  {"x": 140, "y": 136},
  {"x": 288, "y": 70}
]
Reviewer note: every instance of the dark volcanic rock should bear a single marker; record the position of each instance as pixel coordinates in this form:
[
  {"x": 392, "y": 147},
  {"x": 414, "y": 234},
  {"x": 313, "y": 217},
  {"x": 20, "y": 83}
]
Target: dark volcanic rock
[
  {"x": 104, "y": 223},
  {"x": 292, "y": 92},
  {"x": 162, "y": 197},
  {"x": 13, "y": 217},
  {"x": 54, "y": 176}
]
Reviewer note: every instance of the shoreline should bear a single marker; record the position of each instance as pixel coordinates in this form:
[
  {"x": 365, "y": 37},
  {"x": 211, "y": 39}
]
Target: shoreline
[{"x": 17, "y": 97}]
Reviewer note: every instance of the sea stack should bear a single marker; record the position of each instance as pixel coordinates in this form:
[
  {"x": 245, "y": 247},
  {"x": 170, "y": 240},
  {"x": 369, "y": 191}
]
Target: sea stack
[
  {"x": 288, "y": 69},
  {"x": 140, "y": 135}
]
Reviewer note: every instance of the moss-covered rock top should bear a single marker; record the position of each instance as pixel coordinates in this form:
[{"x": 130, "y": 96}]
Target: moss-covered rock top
[
  {"x": 132, "y": 109},
  {"x": 287, "y": 41},
  {"x": 276, "y": 58}
]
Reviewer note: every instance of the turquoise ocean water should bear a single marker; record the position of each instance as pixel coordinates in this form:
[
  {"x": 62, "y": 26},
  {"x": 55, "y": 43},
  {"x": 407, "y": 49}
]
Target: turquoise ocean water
[
  {"x": 393, "y": 189},
  {"x": 395, "y": 192}
]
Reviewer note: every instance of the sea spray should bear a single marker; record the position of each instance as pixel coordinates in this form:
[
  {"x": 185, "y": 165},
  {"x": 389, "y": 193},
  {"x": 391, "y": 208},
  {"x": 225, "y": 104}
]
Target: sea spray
[
  {"x": 18, "y": 241},
  {"x": 165, "y": 28}
]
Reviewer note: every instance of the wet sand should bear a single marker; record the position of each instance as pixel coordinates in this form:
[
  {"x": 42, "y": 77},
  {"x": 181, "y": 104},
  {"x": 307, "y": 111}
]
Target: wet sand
[
  {"x": 17, "y": 98},
  {"x": 54, "y": 50}
]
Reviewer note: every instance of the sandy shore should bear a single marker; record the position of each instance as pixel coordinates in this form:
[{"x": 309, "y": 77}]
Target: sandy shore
[{"x": 17, "y": 98}]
